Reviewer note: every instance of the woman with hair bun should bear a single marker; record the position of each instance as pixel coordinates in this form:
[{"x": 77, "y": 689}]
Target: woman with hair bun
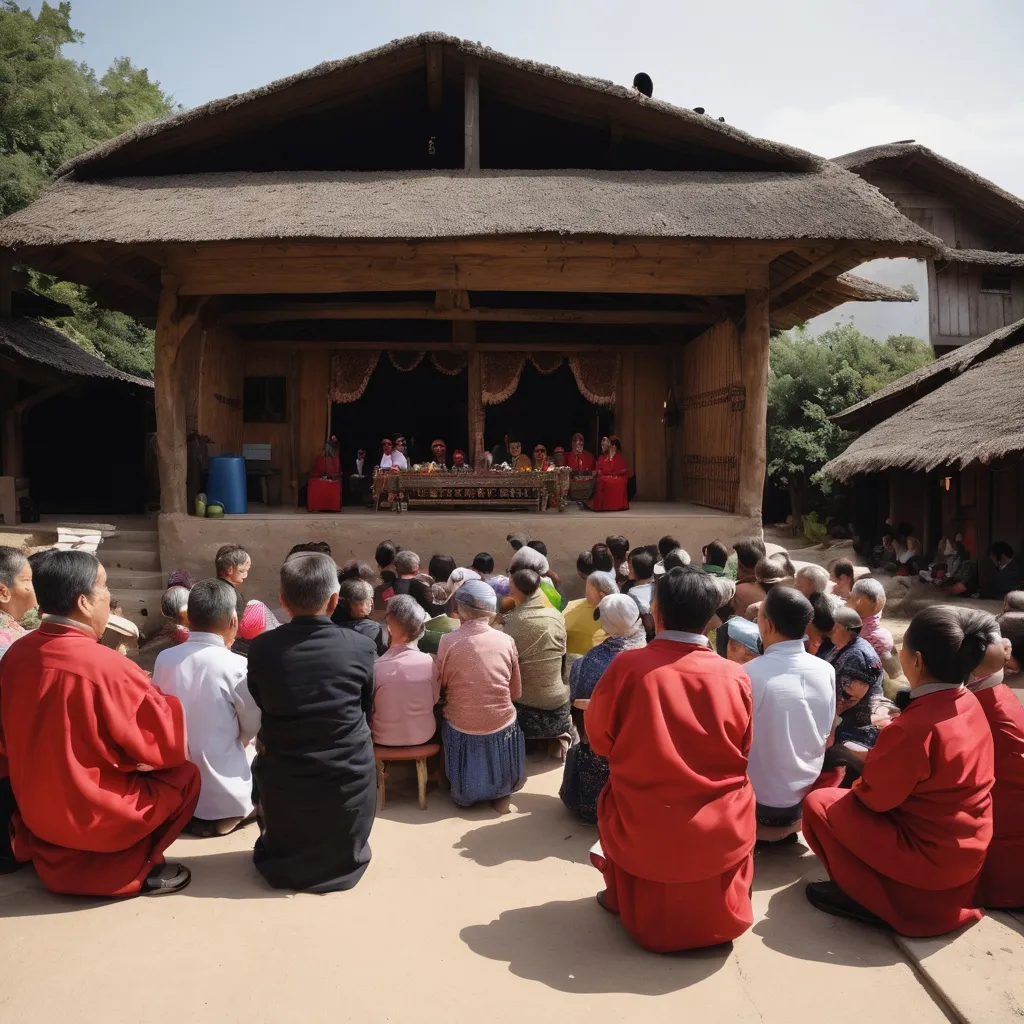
[{"x": 906, "y": 845}]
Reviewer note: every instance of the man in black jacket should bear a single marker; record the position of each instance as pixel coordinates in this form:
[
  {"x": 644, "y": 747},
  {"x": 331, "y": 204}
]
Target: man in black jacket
[{"x": 315, "y": 769}]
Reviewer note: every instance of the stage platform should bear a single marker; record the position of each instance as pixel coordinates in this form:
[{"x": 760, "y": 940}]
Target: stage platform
[{"x": 269, "y": 533}]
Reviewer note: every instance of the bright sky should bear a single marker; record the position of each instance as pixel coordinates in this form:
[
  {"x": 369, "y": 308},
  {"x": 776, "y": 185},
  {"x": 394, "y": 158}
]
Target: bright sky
[{"x": 827, "y": 75}]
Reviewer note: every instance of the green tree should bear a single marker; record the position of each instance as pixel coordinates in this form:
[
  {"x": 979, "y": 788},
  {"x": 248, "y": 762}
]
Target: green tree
[
  {"x": 51, "y": 109},
  {"x": 811, "y": 379}
]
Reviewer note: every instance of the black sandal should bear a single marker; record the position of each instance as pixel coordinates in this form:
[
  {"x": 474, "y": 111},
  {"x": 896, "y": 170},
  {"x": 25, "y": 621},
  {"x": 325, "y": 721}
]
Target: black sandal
[
  {"x": 166, "y": 879},
  {"x": 830, "y": 899}
]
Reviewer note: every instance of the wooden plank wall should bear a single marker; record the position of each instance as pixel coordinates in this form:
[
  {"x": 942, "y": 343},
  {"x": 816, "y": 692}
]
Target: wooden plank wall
[
  {"x": 314, "y": 378},
  {"x": 960, "y": 309},
  {"x": 273, "y": 363},
  {"x": 706, "y": 447},
  {"x": 213, "y": 370},
  {"x": 643, "y": 386}
]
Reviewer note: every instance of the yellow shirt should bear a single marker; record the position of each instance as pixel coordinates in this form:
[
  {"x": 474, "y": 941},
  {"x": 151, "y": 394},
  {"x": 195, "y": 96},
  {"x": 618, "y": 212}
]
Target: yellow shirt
[{"x": 582, "y": 630}]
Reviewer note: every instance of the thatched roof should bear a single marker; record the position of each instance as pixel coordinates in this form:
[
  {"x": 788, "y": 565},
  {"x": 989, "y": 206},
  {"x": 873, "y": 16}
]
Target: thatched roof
[
  {"x": 914, "y": 385},
  {"x": 976, "y": 416},
  {"x": 363, "y": 73},
  {"x": 1002, "y": 209},
  {"x": 828, "y": 203},
  {"x": 834, "y": 292},
  {"x": 984, "y": 258},
  {"x": 35, "y": 342}
]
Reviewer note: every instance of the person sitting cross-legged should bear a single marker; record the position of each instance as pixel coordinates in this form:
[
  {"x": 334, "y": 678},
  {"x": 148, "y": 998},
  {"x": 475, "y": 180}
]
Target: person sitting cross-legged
[
  {"x": 96, "y": 754},
  {"x": 676, "y": 817},
  {"x": 314, "y": 767},
  {"x": 221, "y": 717}
]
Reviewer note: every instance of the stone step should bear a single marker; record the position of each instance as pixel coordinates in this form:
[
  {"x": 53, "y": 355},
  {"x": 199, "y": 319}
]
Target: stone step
[
  {"x": 139, "y": 559},
  {"x": 146, "y": 539},
  {"x": 119, "y": 580}
]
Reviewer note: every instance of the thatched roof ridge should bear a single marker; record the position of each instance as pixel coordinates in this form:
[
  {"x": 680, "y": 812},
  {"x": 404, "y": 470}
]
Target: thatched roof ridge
[
  {"x": 863, "y": 289},
  {"x": 834, "y": 292},
  {"x": 38, "y": 343},
  {"x": 984, "y": 258},
  {"x": 92, "y": 161},
  {"x": 976, "y": 416},
  {"x": 912, "y": 386},
  {"x": 829, "y": 203}
]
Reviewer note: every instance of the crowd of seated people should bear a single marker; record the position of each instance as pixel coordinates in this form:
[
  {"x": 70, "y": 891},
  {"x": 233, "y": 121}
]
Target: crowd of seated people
[{"x": 701, "y": 719}]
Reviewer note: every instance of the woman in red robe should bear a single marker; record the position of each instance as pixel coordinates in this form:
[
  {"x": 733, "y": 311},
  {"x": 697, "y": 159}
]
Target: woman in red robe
[
  {"x": 676, "y": 817},
  {"x": 612, "y": 475},
  {"x": 96, "y": 755},
  {"x": 906, "y": 845}
]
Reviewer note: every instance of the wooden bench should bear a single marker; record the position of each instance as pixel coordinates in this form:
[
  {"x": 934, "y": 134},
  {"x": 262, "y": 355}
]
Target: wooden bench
[{"x": 418, "y": 754}]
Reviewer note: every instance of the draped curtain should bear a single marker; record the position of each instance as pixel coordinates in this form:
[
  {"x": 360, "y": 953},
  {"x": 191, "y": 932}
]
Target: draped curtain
[{"x": 351, "y": 370}]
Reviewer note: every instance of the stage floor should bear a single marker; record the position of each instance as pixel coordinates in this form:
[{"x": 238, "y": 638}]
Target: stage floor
[{"x": 268, "y": 534}]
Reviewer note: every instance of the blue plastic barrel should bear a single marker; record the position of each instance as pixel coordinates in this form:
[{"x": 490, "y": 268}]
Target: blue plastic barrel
[{"x": 225, "y": 483}]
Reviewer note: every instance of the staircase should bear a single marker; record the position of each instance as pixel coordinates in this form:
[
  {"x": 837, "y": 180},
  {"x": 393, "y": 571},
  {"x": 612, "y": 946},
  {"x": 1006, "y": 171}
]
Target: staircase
[{"x": 132, "y": 560}]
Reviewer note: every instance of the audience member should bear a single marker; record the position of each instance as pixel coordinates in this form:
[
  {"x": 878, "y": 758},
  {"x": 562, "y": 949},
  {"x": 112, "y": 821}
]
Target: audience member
[
  {"x": 1013, "y": 601},
  {"x": 257, "y": 618},
  {"x": 782, "y": 558},
  {"x": 233, "y": 564},
  {"x": 744, "y": 640},
  {"x": 666, "y": 545},
  {"x": 173, "y": 630},
  {"x": 859, "y": 693},
  {"x": 819, "y": 629},
  {"x": 641, "y": 578},
  {"x": 1011, "y": 625},
  {"x": 582, "y": 631},
  {"x": 908, "y": 551},
  {"x": 584, "y": 565},
  {"x": 677, "y": 559},
  {"x": 354, "y": 569},
  {"x": 619, "y": 547},
  {"x": 715, "y": 555},
  {"x": 811, "y": 579},
  {"x": 530, "y": 558},
  {"x": 384, "y": 556},
  {"x": 440, "y": 568},
  {"x": 405, "y": 686},
  {"x": 355, "y": 606},
  {"x": 542, "y": 549},
  {"x": 906, "y": 844},
  {"x": 319, "y": 546},
  {"x": 769, "y": 573},
  {"x": 483, "y": 566},
  {"x": 604, "y": 560},
  {"x": 867, "y": 599},
  {"x": 408, "y": 581},
  {"x": 794, "y": 707},
  {"x": 676, "y": 818},
  {"x": 221, "y": 717},
  {"x": 1007, "y": 576},
  {"x": 100, "y": 795},
  {"x": 517, "y": 541},
  {"x": 314, "y": 769},
  {"x": 17, "y": 596},
  {"x": 477, "y": 668},
  {"x": 748, "y": 590}
]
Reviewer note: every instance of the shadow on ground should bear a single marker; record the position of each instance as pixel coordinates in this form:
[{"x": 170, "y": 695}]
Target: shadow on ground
[{"x": 573, "y": 946}]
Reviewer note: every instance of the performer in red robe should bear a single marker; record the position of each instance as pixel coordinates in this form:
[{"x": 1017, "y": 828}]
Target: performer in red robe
[
  {"x": 578, "y": 460},
  {"x": 907, "y": 843},
  {"x": 676, "y": 817},
  {"x": 97, "y": 756},
  {"x": 612, "y": 476}
]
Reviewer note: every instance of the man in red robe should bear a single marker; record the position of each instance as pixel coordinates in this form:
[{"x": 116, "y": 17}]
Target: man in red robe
[
  {"x": 578, "y": 460},
  {"x": 676, "y": 817},
  {"x": 96, "y": 755},
  {"x": 611, "y": 488}
]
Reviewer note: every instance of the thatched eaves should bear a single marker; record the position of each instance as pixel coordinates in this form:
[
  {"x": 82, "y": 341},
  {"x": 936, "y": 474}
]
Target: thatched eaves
[
  {"x": 834, "y": 292},
  {"x": 984, "y": 258},
  {"x": 977, "y": 416}
]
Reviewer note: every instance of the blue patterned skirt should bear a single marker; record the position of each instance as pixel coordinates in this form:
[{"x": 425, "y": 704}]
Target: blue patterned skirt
[{"x": 486, "y": 767}]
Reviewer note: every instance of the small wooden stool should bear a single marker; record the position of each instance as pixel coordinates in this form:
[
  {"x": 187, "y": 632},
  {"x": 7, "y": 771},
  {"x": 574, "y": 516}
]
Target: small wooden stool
[{"x": 418, "y": 754}]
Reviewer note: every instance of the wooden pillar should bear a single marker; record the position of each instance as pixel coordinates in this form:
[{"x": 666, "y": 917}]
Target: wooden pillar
[
  {"x": 472, "y": 116},
  {"x": 169, "y": 400},
  {"x": 293, "y": 423},
  {"x": 464, "y": 333},
  {"x": 754, "y": 374}
]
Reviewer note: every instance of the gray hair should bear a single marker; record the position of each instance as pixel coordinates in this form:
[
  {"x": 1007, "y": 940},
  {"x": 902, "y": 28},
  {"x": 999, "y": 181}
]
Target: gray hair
[
  {"x": 353, "y": 591},
  {"x": 467, "y": 611},
  {"x": 308, "y": 579},
  {"x": 406, "y": 611},
  {"x": 211, "y": 605},
  {"x": 726, "y": 589},
  {"x": 529, "y": 558},
  {"x": 871, "y": 589},
  {"x": 174, "y": 602},
  {"x": 407, "y": 563},
  {"x": 603, "y": 582},
  {"x": 817, "y": 575},
  {"x": 12, "y": 561}
]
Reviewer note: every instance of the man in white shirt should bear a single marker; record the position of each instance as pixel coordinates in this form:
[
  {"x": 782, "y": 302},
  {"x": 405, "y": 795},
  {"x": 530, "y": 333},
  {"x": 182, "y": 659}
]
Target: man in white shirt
[
  {"x": 794, "y": 710},
  {"x": 392, "y": 457},
  {"x": 221, "y": 718}
]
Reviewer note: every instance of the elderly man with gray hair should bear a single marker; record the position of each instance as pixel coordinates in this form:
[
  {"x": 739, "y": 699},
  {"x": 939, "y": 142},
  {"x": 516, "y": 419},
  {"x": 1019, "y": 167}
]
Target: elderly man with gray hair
[
  {"x": 405, "y": 687},
  {"x": 220, "y": 715},
  {"x": 314, "y": 768}
]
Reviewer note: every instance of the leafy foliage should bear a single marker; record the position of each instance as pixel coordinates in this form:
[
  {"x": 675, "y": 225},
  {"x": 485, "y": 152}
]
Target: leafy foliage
[
  {"x": 811, "y": 379},
  {"x": 51, "y": 109}
]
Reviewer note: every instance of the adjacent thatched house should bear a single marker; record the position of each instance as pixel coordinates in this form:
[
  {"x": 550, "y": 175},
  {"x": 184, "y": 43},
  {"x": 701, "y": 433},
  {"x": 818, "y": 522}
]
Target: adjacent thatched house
[
  {"x": 976, "y": 281},
  {"x": 950, "y": 440}
]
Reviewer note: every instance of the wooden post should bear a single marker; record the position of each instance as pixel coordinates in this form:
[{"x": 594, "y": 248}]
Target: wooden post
[
  {"x": 293, "y": 420},
  {"x": 472, "y": 116},
  {"x": 169, "y": 400},
  {"x": 464, "y": 333},
  {"x": 754, "y": 374}
]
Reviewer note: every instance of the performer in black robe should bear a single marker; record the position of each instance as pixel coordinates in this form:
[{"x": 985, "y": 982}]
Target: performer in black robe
[{"x": 314, "y": 770}]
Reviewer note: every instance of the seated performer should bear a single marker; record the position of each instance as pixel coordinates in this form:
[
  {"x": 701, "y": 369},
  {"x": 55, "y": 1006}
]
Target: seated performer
[
  {"x": 906, "y": 845},
  {"x": 359, "y": 479},
  {"x": 96, "y": 754},
  {"x": 220, "y": 715},
  {"x": 612, "y": 477},
  {"x": 517, "y": 458},
  {"x": 558, "y": 456},
  {"x": 540, "y": 459},
  {"x": 578, "y": 460},
  {"x": 459, "y": 464},
  {"x": 439, "y": 453},
  {"x": 676, "y": 818},
  {"x": 315, "y": 769},
  {"x": 392, "y": 459}
]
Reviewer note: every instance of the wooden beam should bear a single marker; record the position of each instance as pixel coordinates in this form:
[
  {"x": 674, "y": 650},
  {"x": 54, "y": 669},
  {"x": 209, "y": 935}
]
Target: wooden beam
[
  {"x": 472, "y": 116},
  {"x": 415, "y": 311},
  {"x": 110, "y": 271},
  {"x": 753, "y": 431},
  {"x": 169, "y": 400},
  {"x": 435, "y": 76},
  {"x": 41, "y": 396},
  {"x": 464, "y": 337},
  {"x": 448, "y": 346},
  {"x": 805, "y": 272}
]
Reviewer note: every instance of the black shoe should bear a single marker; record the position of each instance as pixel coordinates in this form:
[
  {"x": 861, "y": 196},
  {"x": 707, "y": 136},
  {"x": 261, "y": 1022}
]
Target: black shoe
[
  {"x": 774, "y": 844},
  {"x": 830, "y": 899}
]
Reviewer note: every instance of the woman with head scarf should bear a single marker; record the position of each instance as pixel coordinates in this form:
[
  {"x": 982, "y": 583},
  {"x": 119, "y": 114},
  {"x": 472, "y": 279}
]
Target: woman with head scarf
[
  {"x": 858, "y": 682},
  {"x": 612, "y": 477},
  {"x": 478, "y": 672}
]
